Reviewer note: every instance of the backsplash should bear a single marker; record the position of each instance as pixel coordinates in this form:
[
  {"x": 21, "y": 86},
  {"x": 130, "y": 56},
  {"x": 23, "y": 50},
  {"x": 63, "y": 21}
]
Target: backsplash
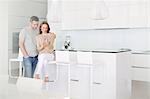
[{"x": 135, "y": 39}]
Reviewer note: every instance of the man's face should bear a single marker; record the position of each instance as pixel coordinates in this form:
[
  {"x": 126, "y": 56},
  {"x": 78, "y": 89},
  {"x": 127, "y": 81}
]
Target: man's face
[{"x": 34, "y": 24}]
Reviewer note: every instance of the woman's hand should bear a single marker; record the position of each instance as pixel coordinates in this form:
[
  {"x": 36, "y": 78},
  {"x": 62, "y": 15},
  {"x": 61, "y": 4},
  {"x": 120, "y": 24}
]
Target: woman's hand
[{"x": 45, "y": 44}]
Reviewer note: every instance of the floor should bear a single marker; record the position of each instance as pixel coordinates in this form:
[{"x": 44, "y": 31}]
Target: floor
[
  {"x": 18, "y": 89},
  {"x": 10, "y": 90},
  {"x": 140, "y": 90}
]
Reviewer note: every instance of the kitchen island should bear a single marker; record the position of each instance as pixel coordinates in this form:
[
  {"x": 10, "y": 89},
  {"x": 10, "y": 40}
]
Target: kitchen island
[{"x": 97, "y": 74}]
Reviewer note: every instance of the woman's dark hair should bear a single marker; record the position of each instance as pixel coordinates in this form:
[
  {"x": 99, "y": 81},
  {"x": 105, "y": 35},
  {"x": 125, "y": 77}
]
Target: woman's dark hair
[{"x": 44, "y": 22}]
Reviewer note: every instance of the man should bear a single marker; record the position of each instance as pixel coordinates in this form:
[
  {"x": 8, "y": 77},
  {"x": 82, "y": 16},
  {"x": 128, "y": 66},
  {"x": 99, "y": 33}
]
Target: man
[{"x": 27, "y": 44}]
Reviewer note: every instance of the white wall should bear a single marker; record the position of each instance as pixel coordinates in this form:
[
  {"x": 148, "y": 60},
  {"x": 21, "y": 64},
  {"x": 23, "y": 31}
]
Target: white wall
[{"x": 3, "y": 37}]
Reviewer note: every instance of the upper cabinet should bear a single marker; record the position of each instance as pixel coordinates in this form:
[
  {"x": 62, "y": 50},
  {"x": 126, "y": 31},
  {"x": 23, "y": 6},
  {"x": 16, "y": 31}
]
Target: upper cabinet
[
  {"x": 138, "y": 13},
  {"x": 100, "y": 14},
  {"x": 117, "y": 15},
  {"x": 54, "y": 11},
  {"x": 76, "y": 14},
  {"x": 94, "y": 14}
]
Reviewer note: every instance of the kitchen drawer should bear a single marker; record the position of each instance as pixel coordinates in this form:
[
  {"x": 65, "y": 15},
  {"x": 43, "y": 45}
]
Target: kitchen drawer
[
  {"x": 73, "y": 57},
  {"x": 84, "y": 57},
  {"x": 62, "y": 56},
  {"x": 140, "y": 60},
  {"x": 141, "y": 74}
]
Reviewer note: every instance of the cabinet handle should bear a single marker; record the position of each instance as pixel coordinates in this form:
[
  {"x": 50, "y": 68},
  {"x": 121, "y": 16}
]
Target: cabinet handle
[
  {"x": 140, "y": 67},
  {"x": 51, "y": 81},
  {"x": 97, "y": 83},
  {"x": 74, "y": 80}
]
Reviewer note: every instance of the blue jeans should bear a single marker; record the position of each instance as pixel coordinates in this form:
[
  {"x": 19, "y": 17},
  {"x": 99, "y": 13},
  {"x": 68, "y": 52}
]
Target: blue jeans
[{"x": 29, "y": 66}]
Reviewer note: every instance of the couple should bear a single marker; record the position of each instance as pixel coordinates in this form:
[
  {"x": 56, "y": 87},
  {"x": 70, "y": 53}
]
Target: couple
[{"x": 37, "y": 46}]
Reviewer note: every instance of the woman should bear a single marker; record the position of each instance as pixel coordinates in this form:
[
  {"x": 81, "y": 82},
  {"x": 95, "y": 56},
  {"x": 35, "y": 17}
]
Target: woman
[{"x": 45, "y": 45}]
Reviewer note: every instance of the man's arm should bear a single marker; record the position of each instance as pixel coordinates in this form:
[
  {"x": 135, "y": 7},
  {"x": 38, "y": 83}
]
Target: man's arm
[{"x": 21, "y": 45}]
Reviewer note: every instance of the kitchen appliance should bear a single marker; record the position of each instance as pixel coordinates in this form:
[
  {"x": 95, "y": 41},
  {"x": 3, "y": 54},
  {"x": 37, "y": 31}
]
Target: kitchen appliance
[{"x": 67, "y": 43}]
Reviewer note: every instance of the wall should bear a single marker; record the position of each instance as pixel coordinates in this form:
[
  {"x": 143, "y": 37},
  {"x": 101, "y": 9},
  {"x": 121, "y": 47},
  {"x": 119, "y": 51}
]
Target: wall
[
  {"x": 19, "y": 12},
  {"x": 3, "y": 38}
]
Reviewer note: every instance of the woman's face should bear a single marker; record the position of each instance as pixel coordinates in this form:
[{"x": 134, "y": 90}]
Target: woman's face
[{"x": 44, "y": 28}]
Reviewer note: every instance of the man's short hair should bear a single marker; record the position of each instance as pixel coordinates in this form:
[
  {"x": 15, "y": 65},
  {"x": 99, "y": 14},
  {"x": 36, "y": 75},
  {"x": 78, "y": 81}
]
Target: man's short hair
[{"x": 34, "y": 18}]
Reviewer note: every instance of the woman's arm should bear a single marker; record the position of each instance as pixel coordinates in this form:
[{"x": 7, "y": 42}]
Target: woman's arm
[
  {"x": 52, "y": 36},
  {"x": 39, "y": 45}
]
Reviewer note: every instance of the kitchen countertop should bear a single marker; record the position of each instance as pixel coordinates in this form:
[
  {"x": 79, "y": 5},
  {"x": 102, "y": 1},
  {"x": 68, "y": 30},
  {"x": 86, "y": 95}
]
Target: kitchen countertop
[
  {"x": 98, "y": 51},
  {"x": 147, "y": 52}
]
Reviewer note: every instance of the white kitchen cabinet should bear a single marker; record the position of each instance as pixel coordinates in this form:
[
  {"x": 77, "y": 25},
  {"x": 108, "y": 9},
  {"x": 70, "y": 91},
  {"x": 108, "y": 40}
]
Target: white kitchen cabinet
[
  {"x": 76, "y": 14},
  {"x": 99, "y": 73},
  {"x": 148, "y": 10},
  {"x": 141, "y": 60},
  {"x": 138, "y": 13},
  {"x": 113, "y": 79},
  {"x": 79, "y": 82},
  {"x": 80, "y": 74},
  {"x": 54, "y": 11},
  {"x": 141, "y": 67},
  {"x": 140, "y": 74},
  {"x": 108, "y": 77},
  {"x": 118, "y": 16},
  {"x": 80, "y": 15},
  {"x": 59, "y": 87},
  {"x": 98, "y": 83},
  {"x": 91, "y": 14}
]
